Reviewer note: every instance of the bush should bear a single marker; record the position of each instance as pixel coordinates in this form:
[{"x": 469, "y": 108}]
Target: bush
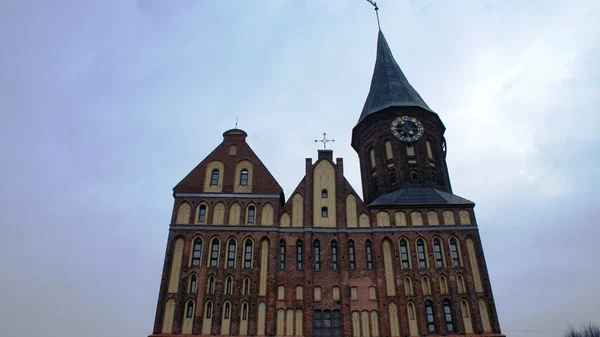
[{"x": 584, "y": 330}]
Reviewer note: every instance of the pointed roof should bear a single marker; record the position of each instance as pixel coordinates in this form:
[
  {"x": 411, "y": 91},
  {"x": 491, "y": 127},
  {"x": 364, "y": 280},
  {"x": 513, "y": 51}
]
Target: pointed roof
[{"x": 389, "y": 86}]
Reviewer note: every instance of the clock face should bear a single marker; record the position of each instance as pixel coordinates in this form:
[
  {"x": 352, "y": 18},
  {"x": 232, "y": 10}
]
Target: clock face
[{"x": 407, "y": 129}]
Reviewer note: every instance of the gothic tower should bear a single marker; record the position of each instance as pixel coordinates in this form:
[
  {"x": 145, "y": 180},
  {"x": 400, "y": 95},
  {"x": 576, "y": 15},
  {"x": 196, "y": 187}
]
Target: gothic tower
[
  {"x": 242, "y": 260},
  {"x": 398, "y": 138}
]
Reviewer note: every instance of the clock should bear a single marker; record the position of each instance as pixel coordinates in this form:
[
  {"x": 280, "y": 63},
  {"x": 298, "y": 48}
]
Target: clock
[{"x": 407, "y": 129}]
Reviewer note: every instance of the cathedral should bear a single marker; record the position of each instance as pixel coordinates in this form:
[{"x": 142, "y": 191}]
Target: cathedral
[{"x": 405, "y": 259}]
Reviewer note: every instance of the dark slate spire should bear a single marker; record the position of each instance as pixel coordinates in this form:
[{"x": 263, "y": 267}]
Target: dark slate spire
[{"x": 389, "y": 86}]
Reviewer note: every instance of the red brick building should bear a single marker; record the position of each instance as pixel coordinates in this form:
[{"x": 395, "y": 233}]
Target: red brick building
[{"x": 405, "y": 260}]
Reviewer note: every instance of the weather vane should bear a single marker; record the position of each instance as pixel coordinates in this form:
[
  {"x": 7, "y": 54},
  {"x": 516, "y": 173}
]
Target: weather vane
[
  {"x": 236, "y": 121},
  {"x": 376, "y": 11},
  {"x": 325, "y": 141}
]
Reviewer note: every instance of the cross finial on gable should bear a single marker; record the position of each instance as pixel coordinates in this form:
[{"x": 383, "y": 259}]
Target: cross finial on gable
[{"x": 325, "y": 141}]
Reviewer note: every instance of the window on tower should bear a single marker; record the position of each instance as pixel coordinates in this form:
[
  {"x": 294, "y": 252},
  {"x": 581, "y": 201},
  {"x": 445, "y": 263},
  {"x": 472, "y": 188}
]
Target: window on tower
[
  {"x": 248, "y": 254},
  {"x": 282, "y": 254},
  {"x": 324, "y": 194},
  {"x": 448, "y": 316},
  {"x": 369, "y": 255},
  {"x": 193, "y": 284},
  {"x": 299, "y": 254},
  {"x": 393, "y": 180},
  {"x": 454, "y": 253},
  {"x": 228, "y": 285},
  {"x": 421, "y": 253},
  {"x": 190, "y": 309},
  {"x": 351, "y": 256},
  {"x": 317, "y": 254},
  {"x": 324, "y": 212},
  {"x": 208, "y": 310},
  {"x": 197, "y": 252},
  {"x": 251, "y": 214},
  {"x": 202, "y": 214},
  {"x": 334, "y": 255},
  {"x": 372, "y": 158},
  {"x": 244, "y": 177},
  {"x": 430, "y": 317},
  {"x": 404, "y": 254},
  {"x": 214, "y": 253},
  {"x": 410, "y": 150},
  {"x": 210, "y": 286},
  {"x": 214, "y": 180},
  {"x": 231, "y": 254},
  {"x": 437, "y": 251}
]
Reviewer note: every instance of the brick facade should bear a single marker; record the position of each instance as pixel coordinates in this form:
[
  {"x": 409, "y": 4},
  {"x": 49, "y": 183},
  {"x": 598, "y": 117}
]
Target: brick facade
[{"x": 267, "y": 190}]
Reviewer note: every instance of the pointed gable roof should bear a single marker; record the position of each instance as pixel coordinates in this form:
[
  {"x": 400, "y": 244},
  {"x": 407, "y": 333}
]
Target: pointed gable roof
[
  {"x": 389, "y": 86},
  {"x": 264, "y": 182}
]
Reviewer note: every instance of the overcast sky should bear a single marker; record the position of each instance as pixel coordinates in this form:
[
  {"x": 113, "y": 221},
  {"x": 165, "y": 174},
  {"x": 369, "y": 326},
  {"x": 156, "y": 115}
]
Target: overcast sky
[{"x": 106, "y": 105}]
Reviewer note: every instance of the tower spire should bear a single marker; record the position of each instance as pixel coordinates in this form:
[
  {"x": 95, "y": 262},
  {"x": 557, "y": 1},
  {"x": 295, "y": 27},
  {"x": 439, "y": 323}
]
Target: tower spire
[{"x": 389, "y": 86}]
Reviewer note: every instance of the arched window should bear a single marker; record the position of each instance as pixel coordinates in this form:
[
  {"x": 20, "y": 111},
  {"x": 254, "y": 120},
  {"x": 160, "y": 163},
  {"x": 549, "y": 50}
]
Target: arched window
[
  {"x": 437, "y": 252},
  {"x": 248, "y": 254},
  {"x": 317, "y": 254},
  {"x": 244, "y": 177},
  {"x": 351, "y": 256},
  {"x": 231, "y": 254},
  {"x": 208, "y": 313},
  {"x": 374, "y": 183},
  {"x": 193, "y": 284},
  {"x": 197, "y": 252},
  {"x": 214, "y": 253},
  {"x": 404, "y": 254},
  {"x": 189, "y": 310},
  {"x": 246, "y": 286},
  {"x": 299, "y": 254},
  {"x": 460, "y": 282},
  {"x": 210, "y": 285},
  {"x": 324, "y": 194},
  {"x": 434, "y": 177},
  {"x": 227, "y": 311},
  {"x": 443, "y": 285},
  {"x": 448, "y": 315},
  {"x": 425, "y": 285},
  {"x": 393, "y": 180},
  {"x": 244, "y": 311},
  {"x": 408, "y": 287},
  {"x": 429, "y": 152},
  {"x": 430, "y": 317},
  {"x": 414, "y": 176},
  {"x": 369, "y": 255},
  {"x": 421, "y": 254},
  {"x": 372, "y": 157},
  {"x": 282, "y": 254},
  {"x": 334, "y": 255},
  {"x": 251, "y": 213},
  {"x": 410, "y": 150},
  {"x": 454, "y": 253},
  {"x": 202, "y": 214},
  {"x": 324, "y": 212},
  {"x": 228, "y": 285},
  {"x": 214, "y": 178}
]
